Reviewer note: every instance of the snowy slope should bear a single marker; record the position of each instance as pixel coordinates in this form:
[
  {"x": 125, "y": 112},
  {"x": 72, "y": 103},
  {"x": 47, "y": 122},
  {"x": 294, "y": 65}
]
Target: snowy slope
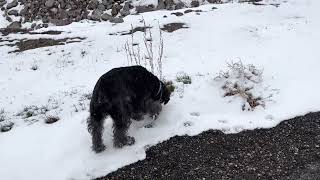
[{"x": 283, "y": 41}]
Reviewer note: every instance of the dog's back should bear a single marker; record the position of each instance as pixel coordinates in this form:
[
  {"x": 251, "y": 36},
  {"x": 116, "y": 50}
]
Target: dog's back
[{"x": 120, "y": 83}]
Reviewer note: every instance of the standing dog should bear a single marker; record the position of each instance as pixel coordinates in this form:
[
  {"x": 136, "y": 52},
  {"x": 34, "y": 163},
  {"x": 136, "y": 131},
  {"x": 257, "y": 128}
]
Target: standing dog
[{"x": 124, "y": 93}]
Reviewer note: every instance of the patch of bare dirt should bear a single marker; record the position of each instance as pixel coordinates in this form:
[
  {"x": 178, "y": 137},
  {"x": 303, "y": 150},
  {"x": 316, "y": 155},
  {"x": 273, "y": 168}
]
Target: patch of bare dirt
[
  {"x": 28, "y": 44},
  {"x": 171, "y": 27},
  {"x": 132, "y": 31},
  {"x": 7, "y": 31}
]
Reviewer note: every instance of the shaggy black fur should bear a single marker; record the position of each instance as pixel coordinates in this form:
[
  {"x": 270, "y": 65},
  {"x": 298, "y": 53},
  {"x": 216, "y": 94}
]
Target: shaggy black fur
[{"x": 124, "y": 93}]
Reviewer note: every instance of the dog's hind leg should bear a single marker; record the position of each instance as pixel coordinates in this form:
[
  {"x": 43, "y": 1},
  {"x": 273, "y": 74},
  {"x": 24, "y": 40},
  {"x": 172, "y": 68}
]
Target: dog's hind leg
[
  {"x": 95, "y": 127},
  {"x": 121, "y": 125}
]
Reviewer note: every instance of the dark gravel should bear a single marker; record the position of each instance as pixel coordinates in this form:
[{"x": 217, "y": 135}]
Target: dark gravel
[{"x": 290, "y": 150}]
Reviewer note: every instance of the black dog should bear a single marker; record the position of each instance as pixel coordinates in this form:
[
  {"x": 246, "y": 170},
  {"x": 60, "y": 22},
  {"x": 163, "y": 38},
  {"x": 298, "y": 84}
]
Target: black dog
[{"x": 124, "y": 93}]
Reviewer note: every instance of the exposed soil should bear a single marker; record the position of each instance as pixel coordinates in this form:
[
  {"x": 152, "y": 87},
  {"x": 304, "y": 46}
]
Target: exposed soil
[
  {"x": 132, "y": 31},
  {"x": 7, "y": 31},
  {"x": 290, "y": 150},
  {"x": 27, "y": 44},
  {"x": 171, "y": 27}
]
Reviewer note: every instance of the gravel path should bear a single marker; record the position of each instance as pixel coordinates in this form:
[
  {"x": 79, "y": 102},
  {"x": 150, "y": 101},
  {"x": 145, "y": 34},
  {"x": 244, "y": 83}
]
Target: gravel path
[{"x": 290, "y": 150}]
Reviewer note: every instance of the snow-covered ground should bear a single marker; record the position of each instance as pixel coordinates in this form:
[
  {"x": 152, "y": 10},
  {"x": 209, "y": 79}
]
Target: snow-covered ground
[{"x": 283, "y": 41}]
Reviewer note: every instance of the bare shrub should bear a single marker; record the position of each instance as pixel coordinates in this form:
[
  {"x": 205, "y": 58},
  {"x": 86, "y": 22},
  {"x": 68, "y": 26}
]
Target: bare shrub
[
  {"x": 245, "y": 81},
  {"x": 34, "y": 67},
  {"x": 183, "y": 78},
  {"x": 33, "y": 110},
  {"x": 5, "y": 124},
  {"x": 2, "y": 115},
  {"x": 147, "y": 55}
]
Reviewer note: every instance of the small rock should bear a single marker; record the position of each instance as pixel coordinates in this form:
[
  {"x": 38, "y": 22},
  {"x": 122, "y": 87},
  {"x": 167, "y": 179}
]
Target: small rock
[
  {"x": 45, "y": 25},
  {"x": 49, "y": 3},
  {"x": 14, "y": 25},
  {"x": 12, "y": 4},
  {"x": 161, "y": 5},
  {"x": 188, "y": 11},
  {"x": 38, "y": 26},
  {"x": 195, "y": 4},
  {"x": 63, "y": 14},
  {"x": 6, "y": 128},
  {"x": 2, "y": 3},
  {"x": 215, "y": 1},
  {"x": 107, "y": 2},
  {"x": 13, "y": 12},
  {"x": 45, "y": 19},
  {"x": 60, "y": 22},
  {"x": 51, "y": 119},
  {"x": 169, "y": 4},
  {"x": 177, "y": 13},
  {"x": 126, "y": 9},
  {"x": 9, "y": 19},
  {"x": 23, "y": 11},
  {"x": 116, "y": 20},
  {"x": 96, "y": 15},
  {"x": 115, "y": 9},
  {"x": 93, "y": 4},
  {"x": 106, "y": 17},
  {"x": 33, "y": 25},
  {"x": 142, "y": 9},
  {"x": 179, "y": 5},
  {"x": 54, "y": 10},
  {"x": 101, "y": 7}
]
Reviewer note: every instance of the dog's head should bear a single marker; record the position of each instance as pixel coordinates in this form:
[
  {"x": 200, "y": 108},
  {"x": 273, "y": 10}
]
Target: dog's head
[{"x": 165, "y": 98}]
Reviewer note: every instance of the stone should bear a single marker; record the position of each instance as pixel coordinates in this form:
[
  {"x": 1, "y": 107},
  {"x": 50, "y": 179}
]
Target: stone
[
  {"x": 215, "y": 1},
  {"x": 188, "y": 11},
  {"x": 49, "y": 3},
  {"x": 12, "y": 4},
  {"x": 195, "y": 4},
  {"x": 9, "y": 19},
  {"x": 101, "y": 7},
  {"x": 106, "y": 17},
  {"x": 63, "y": 14},
  {"x": 93, "y": 4},
  {"x": 147, "y": 8},
  {"x": 2, "y": 3},
  {"x": 177, "y": 13},
  {"x": 116, "y": 20},
  {"x": 179, "y": 5},
  {"x": 125, "y": 10},
  {"x": 14, "y": 25},
  {"x": 115, "y": 9},
  {"x": 13, "y": 12},
  {"x": 23, "y": 11},
  {"x": 54, "y": 10},
  {"x": 169, "y": 4},
  {"x": 96, "y": 15},
  {"x": 161, "y": 5},
  {"x": 60, "y": 22},
  {"x": 33, "y": 25}
]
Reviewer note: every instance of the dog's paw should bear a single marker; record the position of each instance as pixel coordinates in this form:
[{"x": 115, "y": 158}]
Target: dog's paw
[
  {"x": 99, "y": 148},
  {"x": 126, "y": 141}
]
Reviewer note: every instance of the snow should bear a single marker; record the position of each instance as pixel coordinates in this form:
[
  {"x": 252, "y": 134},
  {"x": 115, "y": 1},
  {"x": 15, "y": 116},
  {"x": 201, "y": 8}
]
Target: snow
[{"x": 283, "y": 41}]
